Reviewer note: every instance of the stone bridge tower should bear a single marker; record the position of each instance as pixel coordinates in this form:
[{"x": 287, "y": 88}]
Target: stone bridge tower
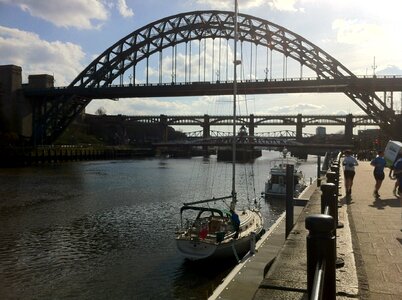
[{"x": 15, "y": 110}]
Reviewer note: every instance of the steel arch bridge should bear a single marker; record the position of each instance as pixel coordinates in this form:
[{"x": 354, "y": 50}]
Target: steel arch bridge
[{"x": 52, "y": 116}]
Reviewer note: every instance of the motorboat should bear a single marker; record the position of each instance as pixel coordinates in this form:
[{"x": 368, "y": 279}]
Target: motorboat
[{"x": 275, "y": 186}]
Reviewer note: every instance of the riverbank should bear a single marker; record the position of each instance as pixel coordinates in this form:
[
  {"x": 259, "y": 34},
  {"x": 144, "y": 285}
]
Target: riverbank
[
  {"x": 369, "y": 243},
  {"x": 22, "y": 156}
]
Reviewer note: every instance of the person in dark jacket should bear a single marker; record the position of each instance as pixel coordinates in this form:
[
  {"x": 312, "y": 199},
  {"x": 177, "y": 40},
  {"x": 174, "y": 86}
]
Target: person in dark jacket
[
  {"x": 236, "y": 223},
  {"x": 379, "y": 164}
]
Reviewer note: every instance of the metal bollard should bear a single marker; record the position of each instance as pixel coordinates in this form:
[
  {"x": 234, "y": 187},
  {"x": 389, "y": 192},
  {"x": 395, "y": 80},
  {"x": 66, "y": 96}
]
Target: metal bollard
[
  {"x": 335, "y": 165},
  {"x": 321, "y": 245},
  {"x": 331, "y": 177},
  {"x": 335, "y": 168},
  {"x": 328, "y": 198},
  {"x": 318, "y": 170}
]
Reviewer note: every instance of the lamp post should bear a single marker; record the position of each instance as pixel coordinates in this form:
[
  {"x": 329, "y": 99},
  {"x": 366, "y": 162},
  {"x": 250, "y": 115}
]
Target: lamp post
[{"x": 266, "y": 73}]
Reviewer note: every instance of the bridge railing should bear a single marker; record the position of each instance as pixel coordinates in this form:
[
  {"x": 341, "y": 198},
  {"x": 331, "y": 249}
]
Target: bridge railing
[{"x": 321, "y": 240}]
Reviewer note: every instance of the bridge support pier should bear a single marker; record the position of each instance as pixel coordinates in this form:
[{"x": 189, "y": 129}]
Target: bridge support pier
[
  {"x": 349, "y": 129},
  {"x": 15, "y": 109},
  {"x": 251, "y": 126},
  {"x": 164, "y": 128},
  {"x": 206, "y": 132},
  {"x": 299, "y": 128}
]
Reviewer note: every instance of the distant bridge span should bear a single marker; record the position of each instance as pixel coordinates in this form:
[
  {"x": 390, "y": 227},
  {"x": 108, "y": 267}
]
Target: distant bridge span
[
  {"x": 299, "y": 121},
  {"x": 145, "y": 46},
  {"x": 255, "y": 141}
]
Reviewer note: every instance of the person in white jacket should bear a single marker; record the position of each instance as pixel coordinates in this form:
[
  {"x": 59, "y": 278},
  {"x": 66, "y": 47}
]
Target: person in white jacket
[{"x": 349, "y": 163}]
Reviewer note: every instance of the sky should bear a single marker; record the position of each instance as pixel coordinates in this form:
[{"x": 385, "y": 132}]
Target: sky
[{"x": 61, "y": 38}]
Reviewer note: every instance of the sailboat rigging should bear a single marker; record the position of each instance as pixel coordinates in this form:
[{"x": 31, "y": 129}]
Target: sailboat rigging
[{"x": 216, "y": 232}]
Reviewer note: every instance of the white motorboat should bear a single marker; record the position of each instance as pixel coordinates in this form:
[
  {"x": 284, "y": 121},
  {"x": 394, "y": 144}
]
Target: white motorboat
[
  {"x": 275, "y": 186},
  {"x": 208, "y": 230}
]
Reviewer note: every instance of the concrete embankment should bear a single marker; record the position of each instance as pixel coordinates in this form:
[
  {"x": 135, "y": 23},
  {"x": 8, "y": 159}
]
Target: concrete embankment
[
  {"x": 245, "y": 278},
  {"x": 369, "y": 244}
]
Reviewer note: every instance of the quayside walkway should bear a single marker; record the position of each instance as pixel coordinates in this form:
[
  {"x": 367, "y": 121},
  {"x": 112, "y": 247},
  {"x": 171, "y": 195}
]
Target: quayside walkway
[
  {"x": 369, "y": 244},
  {"x": 376, "y": 226}
]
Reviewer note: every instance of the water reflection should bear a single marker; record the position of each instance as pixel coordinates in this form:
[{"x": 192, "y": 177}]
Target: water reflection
[
  {"x": 102, "y": 230},
  {"x": 201, "y": 278}
]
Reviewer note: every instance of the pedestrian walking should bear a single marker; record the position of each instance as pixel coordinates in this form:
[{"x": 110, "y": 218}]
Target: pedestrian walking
[
  {"x": 349, "y": 163},
  {"x": 379, "y": 164},
  {"x": 397, "y": 172},
  {"x": 392, "y": 177}
]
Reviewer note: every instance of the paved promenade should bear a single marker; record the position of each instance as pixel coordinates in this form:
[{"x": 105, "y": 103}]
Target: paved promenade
[
  {"x": 377, "y": 237},
  {"x": 370, "y": 244}
]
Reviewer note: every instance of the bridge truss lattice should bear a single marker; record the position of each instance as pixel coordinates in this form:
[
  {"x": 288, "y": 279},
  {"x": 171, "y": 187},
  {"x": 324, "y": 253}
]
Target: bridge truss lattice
[{"x": 52, "y": 116}]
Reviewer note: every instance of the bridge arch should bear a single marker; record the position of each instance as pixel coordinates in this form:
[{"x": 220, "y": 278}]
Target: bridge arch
[{"x": 197, "y": 25}]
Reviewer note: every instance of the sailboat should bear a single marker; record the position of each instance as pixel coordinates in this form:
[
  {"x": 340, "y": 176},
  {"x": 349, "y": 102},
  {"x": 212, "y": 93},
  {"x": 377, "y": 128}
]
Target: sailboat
[{"x": 220, "y": 232}]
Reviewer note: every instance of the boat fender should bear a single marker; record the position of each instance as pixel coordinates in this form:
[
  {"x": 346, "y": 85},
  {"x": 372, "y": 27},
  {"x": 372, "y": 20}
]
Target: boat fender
[{"x": 203, "y": 232}]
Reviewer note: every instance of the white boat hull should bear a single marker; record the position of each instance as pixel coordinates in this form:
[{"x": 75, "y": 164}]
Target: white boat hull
[
  {"x": 197, "y": 250},
  {"x": 275, "y": 186},
  {"x": 194, "y": 247}
]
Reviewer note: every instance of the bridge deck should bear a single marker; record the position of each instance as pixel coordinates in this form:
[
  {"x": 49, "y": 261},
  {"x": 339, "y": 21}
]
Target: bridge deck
[{"x": 280, "y": 86}]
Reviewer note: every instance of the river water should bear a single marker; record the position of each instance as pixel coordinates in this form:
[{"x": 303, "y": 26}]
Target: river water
[{"x": 105, "y": 229}]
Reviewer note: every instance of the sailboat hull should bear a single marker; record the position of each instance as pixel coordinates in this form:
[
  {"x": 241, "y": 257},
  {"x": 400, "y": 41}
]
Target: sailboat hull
[
  {"x": 197, "y": 250},
  {"x": 214, "y": 246}
]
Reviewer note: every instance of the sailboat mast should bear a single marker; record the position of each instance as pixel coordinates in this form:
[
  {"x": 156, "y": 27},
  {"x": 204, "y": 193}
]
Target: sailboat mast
[{"x": 235, "y": 63}]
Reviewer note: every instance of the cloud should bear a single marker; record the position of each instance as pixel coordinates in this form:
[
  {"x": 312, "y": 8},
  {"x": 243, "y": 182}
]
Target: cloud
[
  {"x": 73, "y": 13},
  {"x": 356, "y": 32},
  {"x": 37, "y": 56},
  {"x": 123, "y": 9},
  {"x": 88, "y": 14},
  {"x": 152, "y": 106},
  {"x": 283, "y": 5},
  {"x": 359, "y": 42},
  {"x": 280, "y": 5},
  {"x": 299, "y": 108},
  {"x": 390, "y": 69},
  {"x": 138, "y": 106}
]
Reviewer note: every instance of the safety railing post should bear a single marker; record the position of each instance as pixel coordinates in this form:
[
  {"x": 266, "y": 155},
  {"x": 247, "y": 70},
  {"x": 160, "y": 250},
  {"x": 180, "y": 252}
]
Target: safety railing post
[
  {"x": 331, "y": 177},
  {"x": 328, "y": 199},
  {"x": 321, "y": 246},
  {"x": 335, "y": 168},
  {"x": 318, "y": 170}
]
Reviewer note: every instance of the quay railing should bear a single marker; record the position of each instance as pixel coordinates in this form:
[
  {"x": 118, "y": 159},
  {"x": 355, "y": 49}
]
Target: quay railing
[{"x": 322, "y": 259}]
